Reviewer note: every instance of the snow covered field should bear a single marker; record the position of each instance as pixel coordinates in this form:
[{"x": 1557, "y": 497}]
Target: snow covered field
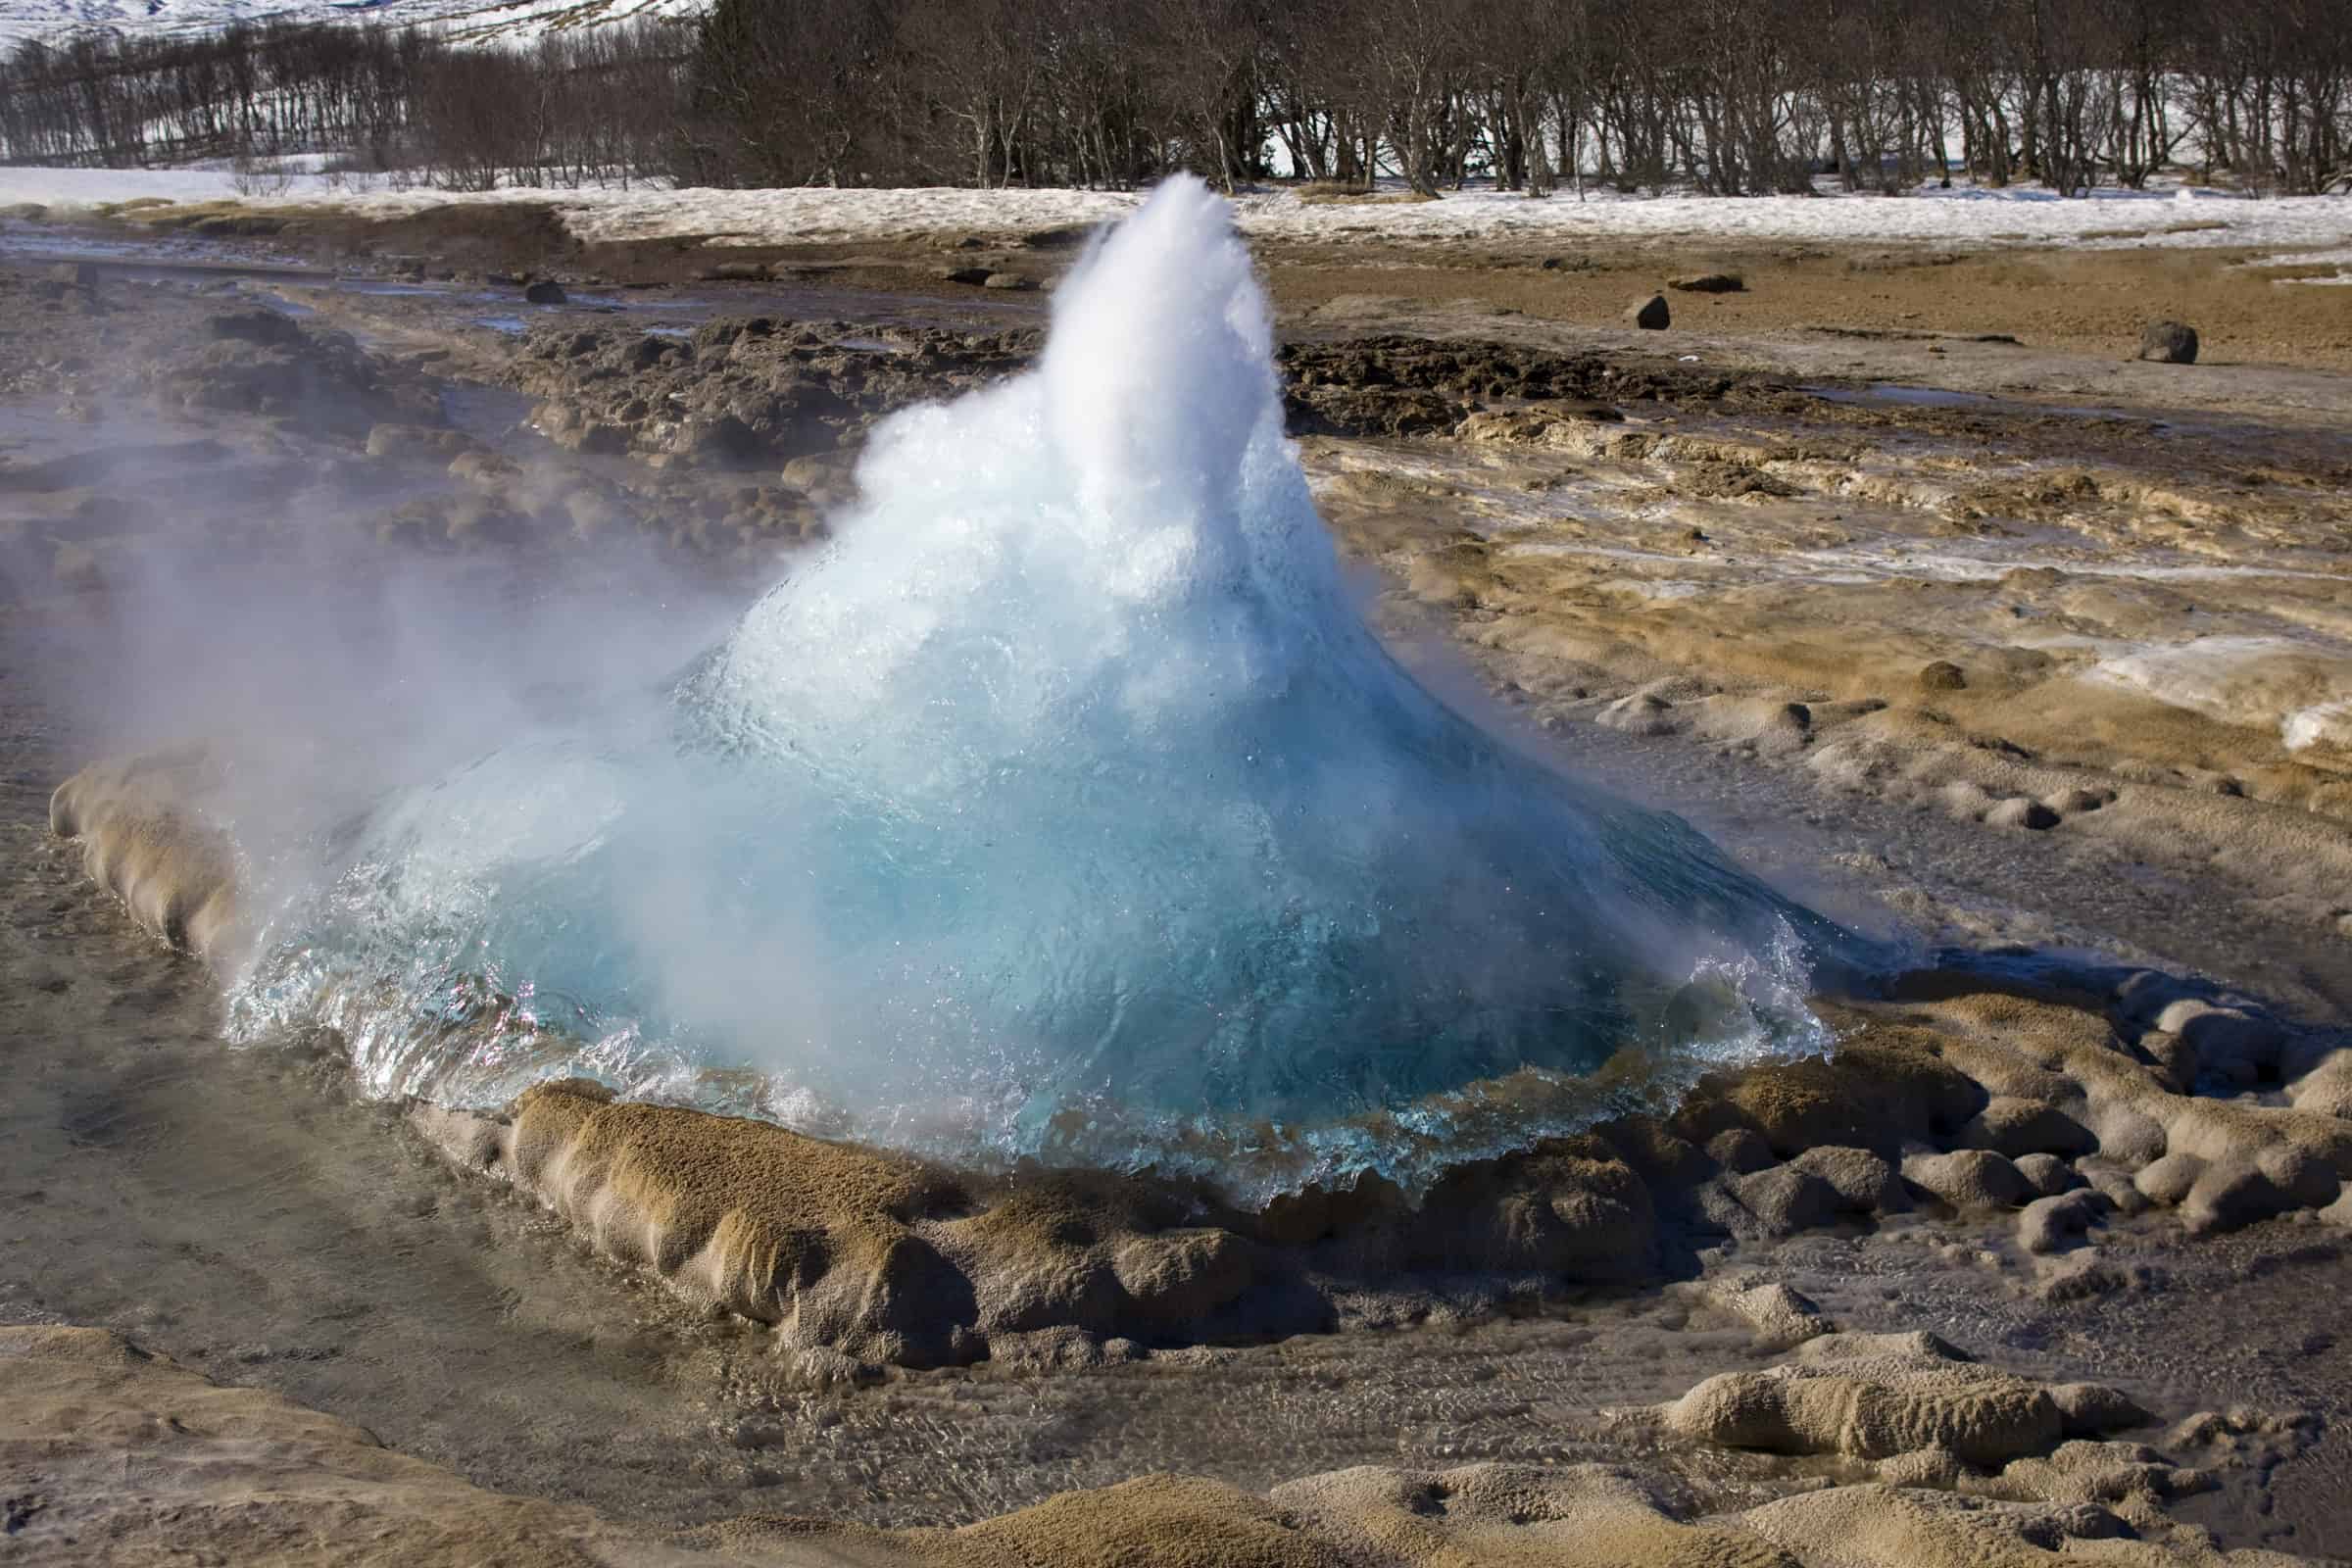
[
  {"x": 2312, "y": 228},
  {"x": 462, "y": 19}
]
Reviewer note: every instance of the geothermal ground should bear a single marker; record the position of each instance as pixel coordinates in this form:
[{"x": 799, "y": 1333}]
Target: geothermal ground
[{"x": 1892, "y": 570}]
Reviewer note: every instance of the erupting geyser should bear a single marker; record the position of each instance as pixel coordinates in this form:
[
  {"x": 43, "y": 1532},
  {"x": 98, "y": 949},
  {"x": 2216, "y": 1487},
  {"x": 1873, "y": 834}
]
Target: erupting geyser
[{"x": 1061, "y": 807}]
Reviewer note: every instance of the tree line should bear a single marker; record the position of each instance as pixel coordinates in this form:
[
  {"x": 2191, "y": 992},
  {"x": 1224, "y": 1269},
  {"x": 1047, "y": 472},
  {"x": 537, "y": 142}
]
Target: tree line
[
  {"x": 573, "y": 106},
  {"x": 1732, "y": 97},
  {"x": 1729, "y": 97}
]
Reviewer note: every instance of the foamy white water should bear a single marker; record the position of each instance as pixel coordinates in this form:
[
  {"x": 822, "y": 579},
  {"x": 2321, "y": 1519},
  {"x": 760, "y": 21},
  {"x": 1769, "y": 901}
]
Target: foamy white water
[{"x": 1061, "y": 807}]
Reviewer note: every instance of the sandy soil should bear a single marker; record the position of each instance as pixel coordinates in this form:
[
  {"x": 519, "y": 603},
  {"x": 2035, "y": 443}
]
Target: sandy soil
[{"x": 1650, "y": 593}]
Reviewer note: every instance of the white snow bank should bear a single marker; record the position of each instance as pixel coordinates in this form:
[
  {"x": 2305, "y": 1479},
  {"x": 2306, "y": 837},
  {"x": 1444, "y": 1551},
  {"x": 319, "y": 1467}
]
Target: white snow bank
[
  {"x": 460, "y": 19},
  {"x": 2184, "y": 217},
  {"x": 2303, "y": 687}
]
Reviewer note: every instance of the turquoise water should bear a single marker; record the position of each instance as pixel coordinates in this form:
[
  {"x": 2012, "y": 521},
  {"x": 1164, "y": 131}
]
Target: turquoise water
[{"x": 1063, "y": 807}]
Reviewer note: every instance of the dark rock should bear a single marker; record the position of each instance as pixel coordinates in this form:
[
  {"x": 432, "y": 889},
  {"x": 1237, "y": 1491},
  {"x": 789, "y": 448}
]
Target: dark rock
[
  {"x": 1864, "y": 1183},
  {"x": 2055, "y": 1224},
  {"x": 2014, "y": 1126},
  {"x": 1781, "y": 1201},
  {"x": 1709, "y": 283},
  {"x": 970, "y": 277},
  {"x": 725, "y": 332},
  {"x": 1650, "y": 315},
  {"x": 2047, "y": 1175},
  {"x": 2018, "y": 812},
  {"x": 737, "y": 272},
  {"x": 2168, "y": 343},
  {"x": 256, "y": 326},
  {"x": 1968, "y": 1178},
  {"x": 2233, "y": 1194},
  {"x": 1943, "y": 677},
  {"x": 237, "y": 225},
  {"x": 545, "y": 292}
]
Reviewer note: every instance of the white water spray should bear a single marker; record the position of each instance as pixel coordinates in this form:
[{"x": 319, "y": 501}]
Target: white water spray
[{"x": 1061, "y": 808}]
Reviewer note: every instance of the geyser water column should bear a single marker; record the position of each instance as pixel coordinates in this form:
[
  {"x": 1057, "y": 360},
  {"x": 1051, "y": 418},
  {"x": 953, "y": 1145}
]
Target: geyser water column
[{"x": 1061, "y": 807}]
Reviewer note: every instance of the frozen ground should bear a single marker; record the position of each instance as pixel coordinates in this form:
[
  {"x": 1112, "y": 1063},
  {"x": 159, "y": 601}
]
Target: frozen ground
[
  {"x": 46, "y": 18},
  {"x": 2313, "y": 229}
]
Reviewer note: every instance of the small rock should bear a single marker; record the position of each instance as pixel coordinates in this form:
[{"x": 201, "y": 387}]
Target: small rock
[
  {"x": 2230, "y": 1194},
  {"x": 254, "y": 327},
  {"x": 1782, "y": 1201},
  {"x": 2168, "y": 343},
  {"x": 2048, "y": 1174},
  {"x": 2227, "y": 1041},
  {"x": 2055, "y": 1224},
  {"x": 2127, "y": 1137},
  {"x": 1943, "y": 677},
  {"x": 971, "y": 276},
  {"x": 2307, "y": 1178},
  {"x": 1863, "y": 1182},
  {"x": 739, "y": 272},
  {"x": 545, "y": 292},
  {"x": 2145, "y": 992},
  {"x": 2020, "y": 812},
  {"x": 1709, "y": 283},
  {"x": 2012, "y": 1126},
  {"x": 1781, "y": 1316},
  {"x": 1968, "y": 1178},
  {"x": 1650, "y": 315},
  {"x": 2168, "y": 1181},
  {"x": 1012, "y": 281},
  {"x": 2074, "y": 802}
]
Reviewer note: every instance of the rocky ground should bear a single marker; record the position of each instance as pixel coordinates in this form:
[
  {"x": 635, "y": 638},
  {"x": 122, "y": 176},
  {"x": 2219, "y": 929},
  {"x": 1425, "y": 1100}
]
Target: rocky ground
[{"x": 1991, "y": 660}]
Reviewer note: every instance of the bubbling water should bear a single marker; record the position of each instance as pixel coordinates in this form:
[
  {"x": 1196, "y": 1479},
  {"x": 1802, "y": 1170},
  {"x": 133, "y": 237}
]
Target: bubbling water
[{"x": 1064, "y": 808}]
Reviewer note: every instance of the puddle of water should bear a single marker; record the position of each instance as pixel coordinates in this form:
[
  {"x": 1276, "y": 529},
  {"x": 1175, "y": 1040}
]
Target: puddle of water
[
  {"x": 512, "y": 325},
  {"x": 1937, "y": 397},
  {"x": 31, "y": 244},
  {"x": 1894, "y": 392}
]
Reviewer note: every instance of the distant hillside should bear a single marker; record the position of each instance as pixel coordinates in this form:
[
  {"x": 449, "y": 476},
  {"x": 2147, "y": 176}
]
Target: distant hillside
[{"x": 463, "y": 19}]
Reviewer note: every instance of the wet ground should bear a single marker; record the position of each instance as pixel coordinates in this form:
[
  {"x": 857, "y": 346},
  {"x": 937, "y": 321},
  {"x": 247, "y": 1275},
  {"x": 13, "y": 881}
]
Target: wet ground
[{"x": 239, "y": 1210}]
